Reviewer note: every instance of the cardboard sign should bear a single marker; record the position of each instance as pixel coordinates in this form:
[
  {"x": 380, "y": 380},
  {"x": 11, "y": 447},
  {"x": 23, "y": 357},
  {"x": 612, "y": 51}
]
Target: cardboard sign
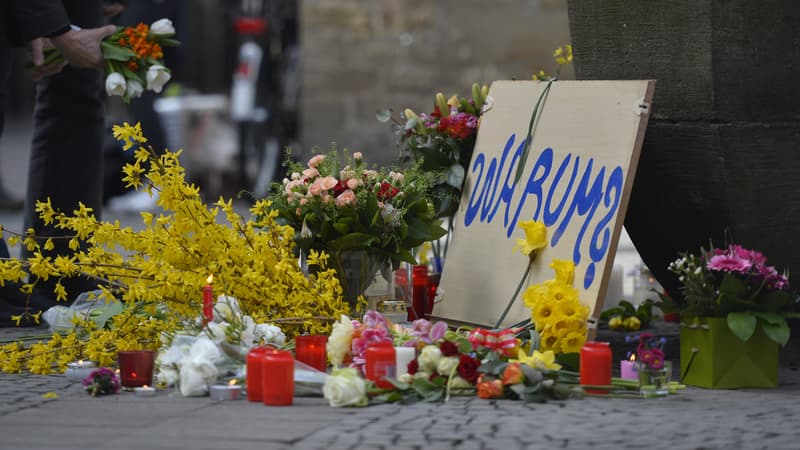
[{"x": 577, "y": 180}]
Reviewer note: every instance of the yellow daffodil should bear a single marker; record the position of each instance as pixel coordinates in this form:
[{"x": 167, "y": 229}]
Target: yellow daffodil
[
  {"x": 565, "y": 270},
  {"x": 539, "y": 360},
  {"x": 535, "y": 237}
]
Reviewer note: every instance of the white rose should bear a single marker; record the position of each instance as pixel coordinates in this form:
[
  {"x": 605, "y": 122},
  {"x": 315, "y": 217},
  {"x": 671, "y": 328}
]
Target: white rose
[
  {"x": 216, "y": 331},
  {"x": 429, "y": 358},
  {"x": 134, "y": 89},
  {"x": 345, "y": 387},
  {"x": 270, "y": 334},
  {"x": 162, "y": 27},
  {"x": 167, "y": 375},
  {"x": 338, "y": 345},
  {"x": 406, "y": 378},
  {"x": 226, "y": 309},
  {"x": 422, "y": 375},
  {"x": 115, "y": 84},
  {"x": 157, "y": 77},
  {"x": 248, "y": 336},
  {"x": 460, "y": 383},
  {"x": 447, "y": 365}
]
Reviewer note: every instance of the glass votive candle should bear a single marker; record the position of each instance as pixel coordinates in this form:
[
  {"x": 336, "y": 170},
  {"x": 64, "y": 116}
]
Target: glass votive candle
[
  {"x": 277, "y": 378},
  {"x": 136, "y": 368},
  {"x": 79, "y": 370},
  {"x": 311, "y": 350}
]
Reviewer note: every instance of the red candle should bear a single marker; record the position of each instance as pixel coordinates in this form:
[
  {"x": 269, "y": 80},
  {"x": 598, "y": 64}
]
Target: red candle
[
  {"x": 208, "y": 300},
  {"x": 136, "y": 368},
  {"x": 419, "y": 292},
  {"x": 311, "y": 350},
  {"x": 277, "y": 378},
  {"x": 255, "y": 369},
  {"x": 596, "y": 366},
  {"x": 381, "y": 362}
]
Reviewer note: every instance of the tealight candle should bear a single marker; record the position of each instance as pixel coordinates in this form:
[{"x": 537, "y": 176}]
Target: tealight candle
[
  {"x": 78, "y": 370},
  {"x": 222, "y": 392},
  {"x": 627, "y": 369},
  {"x": 311, "y": 350},
  {"x": 144, "y": 391},
  {"x": 403, "y": 356}
]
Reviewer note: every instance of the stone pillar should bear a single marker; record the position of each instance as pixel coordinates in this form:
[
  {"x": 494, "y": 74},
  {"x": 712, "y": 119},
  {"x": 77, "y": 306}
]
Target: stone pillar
[{"x": 721, "y": 148}]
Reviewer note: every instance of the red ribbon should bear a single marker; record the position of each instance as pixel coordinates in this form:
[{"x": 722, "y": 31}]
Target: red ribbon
[{"x": 503, "y": 341}]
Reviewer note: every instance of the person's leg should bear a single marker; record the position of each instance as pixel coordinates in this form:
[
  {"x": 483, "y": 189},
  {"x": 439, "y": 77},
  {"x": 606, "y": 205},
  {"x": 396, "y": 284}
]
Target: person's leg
[
  {"x": 7, "y": 200},
  {"x": 66, "y": 162}
]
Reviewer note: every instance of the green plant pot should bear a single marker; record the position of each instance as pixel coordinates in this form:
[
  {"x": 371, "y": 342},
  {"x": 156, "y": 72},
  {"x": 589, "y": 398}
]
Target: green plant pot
[{"x": 722, "y": 360}]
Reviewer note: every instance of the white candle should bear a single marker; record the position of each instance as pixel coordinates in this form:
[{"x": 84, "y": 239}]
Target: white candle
[
  {"x": 144, "y": 391},
  {"x": 78, "y": 370},
  {"x": 222, "y": 392},
  {"x": 404, "y": 355}
]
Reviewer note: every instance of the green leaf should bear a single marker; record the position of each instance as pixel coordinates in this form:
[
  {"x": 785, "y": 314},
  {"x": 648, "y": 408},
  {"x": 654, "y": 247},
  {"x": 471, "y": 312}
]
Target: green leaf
[
  {"x": 116, "y": 53},
  {"x": 493, "y": 367},
  {"x": 732, "y": 287},
  {"x": 743, "y": 325},
  {"x": 770, "y": 318},
  {"x": 352, "y": 240},
  {"x": 778, "y": 332}
]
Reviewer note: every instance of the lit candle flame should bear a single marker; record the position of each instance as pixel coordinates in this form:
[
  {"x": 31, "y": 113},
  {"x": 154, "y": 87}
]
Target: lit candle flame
[
  {"x": 210, "y": 279},
  {"x": 145, "y": 387},
  {"x": 232, "y": 382},
  {"x": 633, "y": 357},
  {"x": 80, "y": 362}
]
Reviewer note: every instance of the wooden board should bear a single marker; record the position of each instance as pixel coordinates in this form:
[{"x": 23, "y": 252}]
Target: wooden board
[{"x": 577, "y": 180}]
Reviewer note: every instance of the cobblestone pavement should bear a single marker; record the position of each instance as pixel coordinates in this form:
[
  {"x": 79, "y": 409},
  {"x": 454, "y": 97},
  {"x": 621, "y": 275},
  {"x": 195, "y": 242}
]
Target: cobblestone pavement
[{"x": 693, "y": 419}]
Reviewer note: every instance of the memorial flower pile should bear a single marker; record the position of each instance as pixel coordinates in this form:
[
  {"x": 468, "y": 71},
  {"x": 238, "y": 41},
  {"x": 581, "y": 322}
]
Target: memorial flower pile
[
  {"x": 736, "y": 283},
  {"x": 158, "y": 272},
  {"x": 102, "y": 381}
]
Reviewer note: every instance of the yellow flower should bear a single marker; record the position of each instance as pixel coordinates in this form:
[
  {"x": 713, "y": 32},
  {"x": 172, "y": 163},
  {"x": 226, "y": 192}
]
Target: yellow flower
[
  {"x": 539, "y": 360},
  {"x": 541, "y": 313},
  {"x": 533, "y": 295},
  {"x": 570, "y": 341},
  {"x": 128, "y": 134},
  {"x": 549, "y": 340},
  {"x": 565, "y": 270},
  {"x": 615, "y": 323},
  {"x": 563, "y": 55},
  {"x": 570, "y": 306},
  {"x": 535, "y": 237}
]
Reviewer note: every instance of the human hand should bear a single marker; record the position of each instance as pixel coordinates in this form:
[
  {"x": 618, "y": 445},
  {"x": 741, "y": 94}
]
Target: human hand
[
  {"x": 40, "y": 69},
  {"x": 81, "y": 48}
]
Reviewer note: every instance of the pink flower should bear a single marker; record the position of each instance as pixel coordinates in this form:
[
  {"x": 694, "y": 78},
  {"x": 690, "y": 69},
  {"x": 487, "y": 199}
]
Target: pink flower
[
  {"x": 346, "y": 198},
  {"x": 316, "y": 160},
  {"x": 310, "y": 173},
  {"x": 397, "y": 177},
  {"x": 321, "y": 185},
  {"x": 353, "y": 183},
  {"x": 289, "y": 188},
  {"x": 729, "y": 263}
]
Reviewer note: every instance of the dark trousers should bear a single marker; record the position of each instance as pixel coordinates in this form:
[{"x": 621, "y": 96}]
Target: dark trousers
[{"x": 66, "y": 163}]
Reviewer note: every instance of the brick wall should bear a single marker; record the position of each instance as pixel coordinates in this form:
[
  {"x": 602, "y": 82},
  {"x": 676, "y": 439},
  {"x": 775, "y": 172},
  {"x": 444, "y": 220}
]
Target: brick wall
[{"x": 360, "y": 56}]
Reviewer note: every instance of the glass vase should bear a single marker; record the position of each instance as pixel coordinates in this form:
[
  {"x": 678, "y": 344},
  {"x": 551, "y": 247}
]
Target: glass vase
[
  {"x": 364, "y": 274},
  {"x": 654, "y": 382}
]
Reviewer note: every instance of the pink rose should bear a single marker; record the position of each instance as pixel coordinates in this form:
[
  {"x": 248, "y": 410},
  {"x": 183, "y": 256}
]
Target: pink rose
[
  {"x": 291, "y": 185},
  {"x": 310, "y": 173},
  {"x": 329, "y": 183},
  {"x": 315, "y": 160},
  {"x": 353, "y": 183},
  {"x": 346, "y": 198},
  {"x": 397, "y": 177}
]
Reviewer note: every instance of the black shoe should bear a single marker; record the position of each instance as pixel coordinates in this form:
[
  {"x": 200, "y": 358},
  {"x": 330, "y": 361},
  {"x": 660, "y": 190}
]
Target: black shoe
[{"x": 10, "y": 203}]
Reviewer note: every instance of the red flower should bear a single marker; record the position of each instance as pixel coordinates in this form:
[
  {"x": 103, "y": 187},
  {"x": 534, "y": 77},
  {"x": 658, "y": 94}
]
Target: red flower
[
  {"x": 386, "y": 191},
  {"x": 468, "y": 368},
  {"x": 448, "y": 348},
  {"x": 413, "y": 367},
  {"x": 340, "y": 187}
]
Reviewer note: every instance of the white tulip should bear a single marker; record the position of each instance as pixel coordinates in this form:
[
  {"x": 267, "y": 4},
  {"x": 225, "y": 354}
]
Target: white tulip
[
  {"x": 157, "y": 77},
  {"x": 162, "y": 27},
  {"x": 134, "y": 89},
  {"x": 115, "y": 84}
]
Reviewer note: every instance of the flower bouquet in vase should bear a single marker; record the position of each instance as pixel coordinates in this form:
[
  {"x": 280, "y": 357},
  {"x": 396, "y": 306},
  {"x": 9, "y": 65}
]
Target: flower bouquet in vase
[
  {"x": 733, "y": 318},
  {"x": 365, "y": 220}
]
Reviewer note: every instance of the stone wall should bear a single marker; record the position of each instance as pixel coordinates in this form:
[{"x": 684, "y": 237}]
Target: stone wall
[{"x": 360, "y": 56}]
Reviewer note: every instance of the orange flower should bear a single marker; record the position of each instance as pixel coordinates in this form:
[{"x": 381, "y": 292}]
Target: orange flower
[
  {"x": 512, "y": 374},
  {"x": 489, "y": 388}
]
